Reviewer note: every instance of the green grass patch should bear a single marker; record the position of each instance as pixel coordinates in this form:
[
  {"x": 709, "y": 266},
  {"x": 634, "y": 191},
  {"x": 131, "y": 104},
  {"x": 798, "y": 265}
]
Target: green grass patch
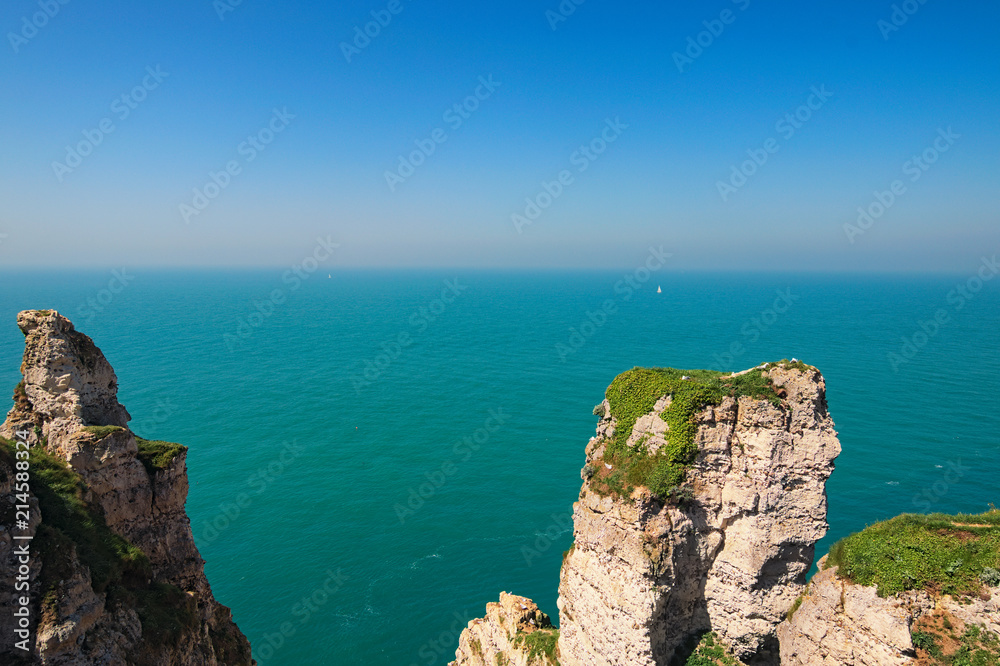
[
  {"x": 635, "y": 393},
  {"x": 157, "y": 456},
  {"x": 110, "y": 558},
  {"x": 924, "y": 640},
  {"x": 116, "y": 566},
  {"x": 710, "y": 652},
  {"x": 793, "y": 365},
  {"x": 938, "y": 642},
  {"x": 100, "y": 432},
  {"x": 7, "y": 457},
  {"x": 540, "y": 643},
  {"x": 936, "y": 552},
  {"x": 795, "y": 606}
]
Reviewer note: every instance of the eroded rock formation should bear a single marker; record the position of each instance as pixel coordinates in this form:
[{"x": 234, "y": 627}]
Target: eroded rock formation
[
  {"x": 513, "y": 633},
  {"x": 646, "y": 576},
  {"x": 840, "y": 623},
  {"x": 96, "y": 598}
]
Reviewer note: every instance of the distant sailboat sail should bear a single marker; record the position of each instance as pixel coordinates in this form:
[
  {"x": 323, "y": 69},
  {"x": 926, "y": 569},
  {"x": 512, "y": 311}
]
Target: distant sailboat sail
[{"x": 658, "y": 290}]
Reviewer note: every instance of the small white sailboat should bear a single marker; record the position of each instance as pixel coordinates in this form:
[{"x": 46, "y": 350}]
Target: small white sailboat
[{"x": 658, "y": 290}]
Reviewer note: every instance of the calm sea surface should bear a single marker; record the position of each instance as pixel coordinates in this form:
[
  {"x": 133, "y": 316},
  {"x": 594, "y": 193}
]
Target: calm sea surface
[{"x": 377, "y": 455}]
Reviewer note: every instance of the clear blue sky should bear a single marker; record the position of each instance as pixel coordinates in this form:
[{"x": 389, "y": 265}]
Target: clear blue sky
[{"x": 657, "y": 183}]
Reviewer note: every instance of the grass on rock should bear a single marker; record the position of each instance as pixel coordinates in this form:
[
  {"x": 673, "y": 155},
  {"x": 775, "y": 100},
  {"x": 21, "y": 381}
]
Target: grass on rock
[
  {"x": 100, "y": 432},
  {"x": 541, "y": 645},
  {"x": 939, "y": 553},
  {"x": 943, "y": 640},
  {"x": 154, "y": 455},
  {"x": 710, "y": 652},
  {"x": 157, "y": 456},
  {"x": 635, "y": 393},
  {"x": 116, "y": 566}
]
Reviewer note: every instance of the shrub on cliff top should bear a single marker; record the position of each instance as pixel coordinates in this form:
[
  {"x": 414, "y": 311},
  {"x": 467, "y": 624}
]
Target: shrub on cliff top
[
  {"x": 990, "y": 576},
  {"x": 156, "y": 456},
  {"x": 946, "y": 554},
  {"x": 635, "y": 393}
]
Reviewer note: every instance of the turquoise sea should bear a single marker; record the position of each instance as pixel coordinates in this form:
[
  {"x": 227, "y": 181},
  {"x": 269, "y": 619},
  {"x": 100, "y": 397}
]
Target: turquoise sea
[{"x": 353, "y": 519}]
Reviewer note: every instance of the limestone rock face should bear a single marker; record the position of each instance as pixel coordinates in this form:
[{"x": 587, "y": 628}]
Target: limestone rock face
[
  {"x": 499, "y": 638},
  {"x": 67, "y": 380},
  {"x": 644, "y": 578},
  {"x": 68, "y": 387},
  {"x": 840, "y": 623}
]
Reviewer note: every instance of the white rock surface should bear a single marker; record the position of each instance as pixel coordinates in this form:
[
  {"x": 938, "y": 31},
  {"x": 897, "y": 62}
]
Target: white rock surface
[
  {"x": 643, "y": 577},
  {"x": 492, "y": 640},
  {"x": 840, "y": 623}
]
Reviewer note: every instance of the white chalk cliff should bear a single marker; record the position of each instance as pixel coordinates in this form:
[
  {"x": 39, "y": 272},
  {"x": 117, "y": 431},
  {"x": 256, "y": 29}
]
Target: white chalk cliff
[
  {"x": 646, "y": 577},
  {"x": 142, "y": 600}
]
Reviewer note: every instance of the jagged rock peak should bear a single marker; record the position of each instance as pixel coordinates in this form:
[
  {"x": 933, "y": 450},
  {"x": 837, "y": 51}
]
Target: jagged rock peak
[
  {"x": 721, "y": 540},
  {"x": 703, "y": 497},
  {"x": 513, "y": 633},
  {"x": 115, "y": 576},
  {"x": 67, "y": 380}
]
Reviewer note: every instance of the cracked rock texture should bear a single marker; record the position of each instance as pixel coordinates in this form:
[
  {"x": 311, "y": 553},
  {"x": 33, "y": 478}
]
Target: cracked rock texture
[
  {"x": 492, "y": 640},
  {"x": 644, "y": 579},
  {"x": 841, "y": 623},
  {"x": 69, "y": 385}
]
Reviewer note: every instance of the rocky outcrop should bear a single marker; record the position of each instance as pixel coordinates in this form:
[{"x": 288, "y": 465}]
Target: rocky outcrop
[
  {"x": 513, "y": 633},
  {"x": 648, "y": 576},
  {"x": 116, "y": 576},
  {"x": 840, "y": 623}
]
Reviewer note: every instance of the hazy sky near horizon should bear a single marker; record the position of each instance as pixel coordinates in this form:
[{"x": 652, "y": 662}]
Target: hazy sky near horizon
[{"x": 735, "y": 134}]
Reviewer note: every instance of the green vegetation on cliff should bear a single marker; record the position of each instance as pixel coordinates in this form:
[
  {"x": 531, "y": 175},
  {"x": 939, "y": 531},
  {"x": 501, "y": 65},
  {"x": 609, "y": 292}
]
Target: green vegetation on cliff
[
  {"x": 941, "y": 639},
  {"x": 60, "y": 492},
  {"x": 636, "y": 392},
  {"x": 157, "y": 456},
  {"x": 709, "y": 652},
  {"x": 948, "y": 554},
  {"x": 154, "y": 455},
  {"x": 541, "y": 645},
  {"x": 100, "y": 432},
  {"x": 117, "y": 567}
]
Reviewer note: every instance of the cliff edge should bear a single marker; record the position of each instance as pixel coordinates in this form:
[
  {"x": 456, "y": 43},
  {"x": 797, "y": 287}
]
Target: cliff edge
[
  {"x": 718, "y": 537},
  {"x": 703, "y": 498},
  {"x": 921, "y": 590},
  {"x": 114, "y": 573}
]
